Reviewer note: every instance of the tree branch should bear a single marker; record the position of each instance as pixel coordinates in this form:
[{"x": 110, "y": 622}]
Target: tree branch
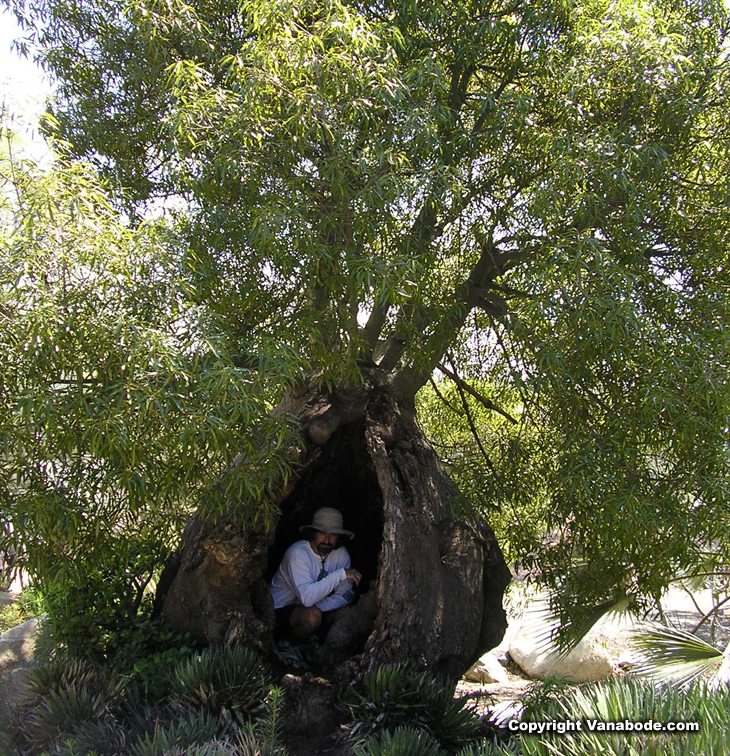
[
  {"x": 374, "y": 326},
  {"x": 473, "y": 427},
  {"x": 709, "y": 614},
  {"x": 490, "y": 405},
  {"x": 425, "y": 227},
  {"x": 455, "y": 410}
]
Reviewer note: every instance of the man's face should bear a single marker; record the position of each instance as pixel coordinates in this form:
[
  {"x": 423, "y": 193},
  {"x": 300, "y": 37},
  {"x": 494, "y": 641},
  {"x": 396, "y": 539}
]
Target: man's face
[{"x": 324, "y": 543}]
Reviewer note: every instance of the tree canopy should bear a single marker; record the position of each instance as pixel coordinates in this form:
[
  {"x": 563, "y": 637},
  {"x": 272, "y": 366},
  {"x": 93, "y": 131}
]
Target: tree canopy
[{"x": 527, "y": 199}]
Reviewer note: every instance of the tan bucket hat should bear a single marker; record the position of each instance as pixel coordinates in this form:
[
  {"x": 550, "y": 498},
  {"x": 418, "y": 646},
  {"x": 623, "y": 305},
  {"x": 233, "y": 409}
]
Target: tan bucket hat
[{"x": 328, "y": 520}]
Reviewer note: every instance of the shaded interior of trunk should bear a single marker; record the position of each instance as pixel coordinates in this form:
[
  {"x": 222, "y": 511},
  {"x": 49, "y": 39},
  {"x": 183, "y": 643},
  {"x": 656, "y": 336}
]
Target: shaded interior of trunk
[{"x": 344, "y": 478}]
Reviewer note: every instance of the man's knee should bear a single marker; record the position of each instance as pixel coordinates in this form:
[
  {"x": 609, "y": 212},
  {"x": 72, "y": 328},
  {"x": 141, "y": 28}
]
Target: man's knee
[{"x": 306, "y": 620}]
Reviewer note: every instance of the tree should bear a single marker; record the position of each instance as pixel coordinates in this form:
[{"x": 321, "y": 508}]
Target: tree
[{"x": 529, "y": 198}]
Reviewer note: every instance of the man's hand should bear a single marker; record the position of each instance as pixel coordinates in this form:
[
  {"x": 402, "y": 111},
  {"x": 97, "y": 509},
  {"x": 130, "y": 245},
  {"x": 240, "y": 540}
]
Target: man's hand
[{"x": 353, "y": 576}]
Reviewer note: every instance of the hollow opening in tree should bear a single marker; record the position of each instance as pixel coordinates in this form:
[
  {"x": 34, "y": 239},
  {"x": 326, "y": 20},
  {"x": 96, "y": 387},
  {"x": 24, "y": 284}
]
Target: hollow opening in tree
[{"x": 343, "y": 478}]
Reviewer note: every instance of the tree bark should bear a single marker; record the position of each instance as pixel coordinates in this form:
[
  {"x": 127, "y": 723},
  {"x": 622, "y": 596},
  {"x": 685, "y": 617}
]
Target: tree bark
[{"x": 433, "y": 578}]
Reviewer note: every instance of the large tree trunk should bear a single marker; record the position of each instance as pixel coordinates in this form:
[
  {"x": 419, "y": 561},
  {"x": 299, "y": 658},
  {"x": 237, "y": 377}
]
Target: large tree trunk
[{"x": 432, "y": 579}]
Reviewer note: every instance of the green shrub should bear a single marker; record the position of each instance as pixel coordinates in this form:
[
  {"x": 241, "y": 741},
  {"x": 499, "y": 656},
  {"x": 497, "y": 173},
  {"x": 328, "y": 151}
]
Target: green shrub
[
  {"x": 221, "y": 678},
  {"x": 266, "y": 730},
  {"x": 403, "y": 696},
  {"x": 91, "y": 621},
  {"x": 102, "y": 607},
  {"x": 149, "y": 652},
  {"x": 29, "y": 604},
  {"x": 541, "y": 695}
]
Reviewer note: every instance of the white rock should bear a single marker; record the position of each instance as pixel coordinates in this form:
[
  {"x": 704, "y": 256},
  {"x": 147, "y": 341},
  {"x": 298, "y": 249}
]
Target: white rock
[
  {"x": 17, "y": 644},
  {"x": 7, "y": 598},
  {"x": 589, "y": 660},
  {"x": 486, "y": 670},
  {"x": 502, "y": 656}
]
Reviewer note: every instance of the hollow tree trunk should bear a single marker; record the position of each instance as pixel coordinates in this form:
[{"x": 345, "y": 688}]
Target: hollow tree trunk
[{"x": 433, "y": 580}]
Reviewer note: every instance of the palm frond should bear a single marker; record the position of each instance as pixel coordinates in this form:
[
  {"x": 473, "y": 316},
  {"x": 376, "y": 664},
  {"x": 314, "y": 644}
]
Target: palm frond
[
  {"x": 668, "y": 655},
  {"x": 557, "y": 639}
]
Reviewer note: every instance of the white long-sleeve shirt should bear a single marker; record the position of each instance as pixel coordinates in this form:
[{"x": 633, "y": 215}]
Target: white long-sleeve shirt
[{"x": 297, "y": 581}]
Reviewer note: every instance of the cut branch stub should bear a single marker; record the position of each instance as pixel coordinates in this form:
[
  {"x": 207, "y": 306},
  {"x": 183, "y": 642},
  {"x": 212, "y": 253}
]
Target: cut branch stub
[
  {"x": 322, "y": 428},
  {"x": 432, "y": 580}
]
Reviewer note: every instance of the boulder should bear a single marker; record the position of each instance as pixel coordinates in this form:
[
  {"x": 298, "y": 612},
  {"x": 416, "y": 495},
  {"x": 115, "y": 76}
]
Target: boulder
[
  {"x": 486, "y": 670},
  {"x": 7, "y": 598},
  {"x": 13, "y": 689},
  {"x": 18, "y": 644},
  {"x": 590, "y": 660}
]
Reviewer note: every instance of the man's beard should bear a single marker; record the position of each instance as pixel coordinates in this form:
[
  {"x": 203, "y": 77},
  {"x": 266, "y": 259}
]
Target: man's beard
[{"x": 325, "y": 548}]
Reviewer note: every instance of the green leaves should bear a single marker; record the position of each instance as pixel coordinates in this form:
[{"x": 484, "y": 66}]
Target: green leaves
[
  {"x": 397, "y": 702},
  {"x": 405, "y": 741},
  {"x": 621, "y": 701},
  {"x": 121, "y": 403}
]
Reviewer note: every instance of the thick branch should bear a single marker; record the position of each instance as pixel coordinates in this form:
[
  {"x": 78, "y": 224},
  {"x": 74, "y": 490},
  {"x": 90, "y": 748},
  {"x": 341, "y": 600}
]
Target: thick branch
[
  {"x": 425, "y": 228},
  {"x": 374, "y": 326},
  {"x": 422, "y": 233},
  {"x": 468, "y": 295}
]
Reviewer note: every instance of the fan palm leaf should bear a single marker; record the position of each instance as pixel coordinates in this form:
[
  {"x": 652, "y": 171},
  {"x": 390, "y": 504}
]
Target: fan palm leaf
[
  {"x": 556, "y": 639},
  {"x": 668, "y": 655}
]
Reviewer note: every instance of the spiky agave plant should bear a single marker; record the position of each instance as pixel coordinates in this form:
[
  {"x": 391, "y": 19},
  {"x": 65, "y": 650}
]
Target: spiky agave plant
[
  {"x": 61, "y": 673},
  {"x": 210, "y": 748},
  {"x": 221, "y": 678},
  {"x": 490, "y": 748},
  {"x": 104, "y": 737},
  {"x": 63, "y": 696},
  {"x": 188, "y": 729},
  {"x": 245, "y": 742},
  {"x": 403, "y": 741},
  {"x": 396, "y": 696},
  {"x": 60, "y": 713}
]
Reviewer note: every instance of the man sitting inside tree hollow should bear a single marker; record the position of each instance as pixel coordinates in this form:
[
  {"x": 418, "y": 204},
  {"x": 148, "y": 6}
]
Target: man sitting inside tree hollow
[{"x": 314, "y": 578}]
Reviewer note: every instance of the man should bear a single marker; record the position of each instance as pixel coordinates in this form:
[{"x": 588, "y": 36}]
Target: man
[{"x": 314, "y": 577}]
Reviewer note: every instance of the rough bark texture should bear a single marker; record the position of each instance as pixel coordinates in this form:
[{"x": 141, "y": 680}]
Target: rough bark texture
[{"x": 432, "y": 581}]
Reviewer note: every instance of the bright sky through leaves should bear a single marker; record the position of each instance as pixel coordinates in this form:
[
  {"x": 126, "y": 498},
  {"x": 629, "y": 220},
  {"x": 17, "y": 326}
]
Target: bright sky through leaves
[{"x": 22, "y": 86}]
